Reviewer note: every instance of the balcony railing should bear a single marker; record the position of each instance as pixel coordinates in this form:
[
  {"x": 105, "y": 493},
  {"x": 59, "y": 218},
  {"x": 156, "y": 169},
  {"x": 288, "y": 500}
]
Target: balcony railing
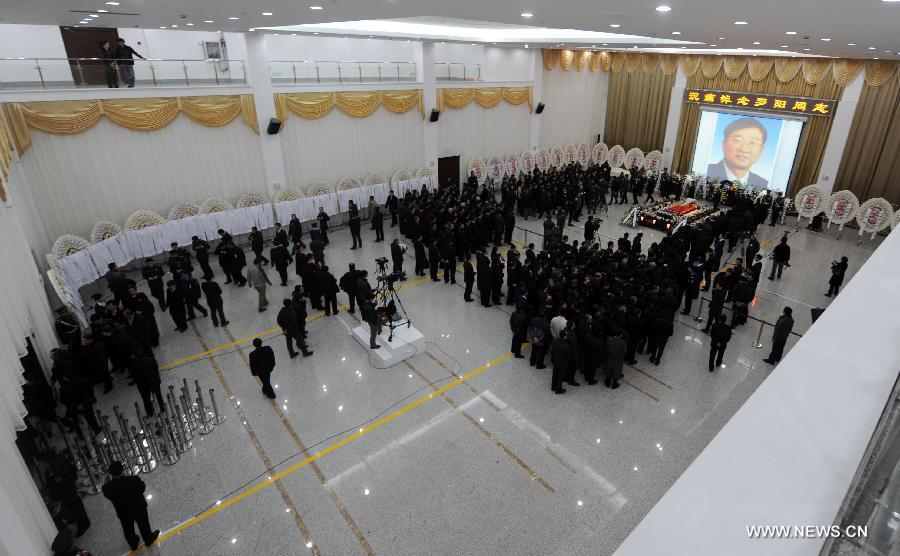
[
  {"x": 24, "y": 74},
  {"x": 455, "y": 71},
  {"x": 319, "y": 71}
]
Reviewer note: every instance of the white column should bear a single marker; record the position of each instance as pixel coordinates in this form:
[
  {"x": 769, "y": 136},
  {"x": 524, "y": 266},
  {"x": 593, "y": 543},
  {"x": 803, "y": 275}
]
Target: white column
[
  {"x": 429, "y": 92},
  {"x": 837, "y": 137},
  {"x": 261, "y": 83},
  {"x": 676, "y": 103},
  {"x": 537, "y": 91}
]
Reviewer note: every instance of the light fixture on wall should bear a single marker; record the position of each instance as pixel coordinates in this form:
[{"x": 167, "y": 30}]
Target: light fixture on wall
[
  {"x": 266, "y": 13},
  {"x": 663, "y": 8},
  {"x": 527, "y": 14},
  {"x": 315, "y": 7}
]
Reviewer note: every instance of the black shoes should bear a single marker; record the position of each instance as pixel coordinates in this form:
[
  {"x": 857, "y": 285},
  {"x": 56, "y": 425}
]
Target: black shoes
[
  {"x": 376, "y": 346},
  {"x": 574, "y": 383},
  {"x": 518, "y": 356},
  {"x": 294, "y": 354},
  {"x": 307, "y": 353},
  {"x": 560, "y": 391},
  {"x": 152, "y": 539},
  {"x": 769, "y": 361}
]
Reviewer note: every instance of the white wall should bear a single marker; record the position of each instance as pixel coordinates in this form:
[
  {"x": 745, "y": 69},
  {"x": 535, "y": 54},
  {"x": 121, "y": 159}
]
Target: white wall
[
  {"x": 575, "y": 106},
  {"x": 32, "y": 41},
  {"x": 508, "y": 64},
  {"x": 476, "y": 132},
  {"x": 183, "y": 45},
  {"x": 338, "y": 145}
]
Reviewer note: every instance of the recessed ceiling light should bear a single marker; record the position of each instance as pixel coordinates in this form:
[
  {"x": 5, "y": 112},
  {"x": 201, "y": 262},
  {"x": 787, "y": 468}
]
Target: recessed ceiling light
[
  {"x": 806, "y": 49},
  {"x": 790, "y": 32},
  {"x": 676, "y": 32},
  {"x": 526, "y": 46},
  {"x": 614, "y": 25},
  {"x": 681, "y": 47},
  {"x": 714, "y": 45},
  {"x": 851, "y": 44},
  {"x": 190, "y": 24},
  {"x": 112, "y": 3},
  {"x": 527, "y": 14},
  {"x": 604, "y": 44},
  {"x": 207, "y": 21},
  {"x": 741, "y": 23},
  {"x": 232, "y": 18},
  {"x": 663, "y": 8},
  {"x": 93, "y": 15},
  {"x": 163, "y": 27},
  {"x": 721, "y": 38},
  {"x": 784, "y": 46},
  {"x": 102, "y": 11},
  {"x": 315, "y": 7},
  {"x": 174, "y": 26},
  {"x": 756, "y": 42},
  {"x": 871, "y": 48},
  {"x": 316, "y": 33},
  {"x": 876, "y": 58},
  {"x": 253, "y": 29},
  {"x": 826, "y": 40},
  {"x": 887, "y": 51},
  {"x": 266, "y": 13}
]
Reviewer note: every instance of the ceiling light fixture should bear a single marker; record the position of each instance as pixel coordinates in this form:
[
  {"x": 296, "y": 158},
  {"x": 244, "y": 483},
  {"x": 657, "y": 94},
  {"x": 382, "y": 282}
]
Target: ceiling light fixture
[
  {"x": 614, "y": 25},
  {"x": 526, "y": 14},
  {"x": 112, "y": 3},
  {"x": 232, "y": 18},
  {"x": 190, "y": 24},
  {"x": 174, "y": 25},
  {"x": 315, "y": 7},
  {"x": 713, "y": 45},
  {"x": 163, "y": 27},
  {"x": 526, "y": 46},
  {"x": 676, "y": 32},
  {"x": 721, "y": 38},
  {"x": 741, "y": 22},
  {"x": 790, "y": 32},
  {"x": 756, "y": 42},
  {"x": 93, "y": 15},
  {"x": 806, "y": 49},
  {"x": 851, "y": 44},
  {"x": 871, "y": 48},
  {"x": 266, "y": 13},
  {"x": 207, "y": 21},
  {"x": 102, "y": 11},
  {"x": 663, "y": 8},
  {"x": 784, "y": 46},
  {"x": 826, "y": 40}
]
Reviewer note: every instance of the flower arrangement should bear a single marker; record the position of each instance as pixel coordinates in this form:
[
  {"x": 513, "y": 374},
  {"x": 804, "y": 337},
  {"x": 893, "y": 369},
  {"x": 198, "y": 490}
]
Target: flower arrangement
[
  {"x": 183, "y": 210},
  {"x": 527, "y": 162},
  {"x": 319, "y": 188},
  {"x": 653, "y": 162},
  {"x": 68, "y": 244},
  {"x": 495, "y": 168},
  {"x": 583, "y": 154},
  {"x": 479, "y": 168},
  {"x": 104, "y": 230},
  {"x": 844, "y": 206},
  {"x": 512, "y": 165},
  {"x": 288, "y": 194},
  {"x": 375, "y": 179},
  {"x": 251, "y": 199},
  {"x": 542, "y": 160},
  {"x": 348, "y": 183},
  {"x": 143, "y": 219},
  {"x": 634, "y": 158},
  {"x": 616, "y": 156},
  {"x": 569, "y": 154},
  {"x": 599, "y": 153},
  {"x": 556, "y": 157},
  {"x": 424, "y": 172},
  {"x": 809, "y": 201},
  {"x": 874, "y": 215},
  {"x": 214, "y": 204},
  {"x": 402, "y": 175}
]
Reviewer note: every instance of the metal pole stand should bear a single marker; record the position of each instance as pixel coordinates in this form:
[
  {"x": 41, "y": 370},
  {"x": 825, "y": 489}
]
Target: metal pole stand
[
  {"x": 217, "y": 417},
  {"x": 757, "y": 344},
  {"x": 206, "y": 425}
]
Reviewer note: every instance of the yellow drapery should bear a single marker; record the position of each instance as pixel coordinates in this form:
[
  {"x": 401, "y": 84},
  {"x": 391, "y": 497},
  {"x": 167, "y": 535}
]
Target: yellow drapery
[
  {"x": 758, "y": 68},
  {"x": 487, "y": 97},
  {"x": 6, "y": 153},
  {"x": 637, "y": 108},
  {"x": 632, "y": 61},
  {"x": 733, "y": 66},
  {"x": 566, "y": 57},
  {"x": 138, "y": 114},
  {"x": 550, "y": 58},
  {"x": 358, "y": 104}
]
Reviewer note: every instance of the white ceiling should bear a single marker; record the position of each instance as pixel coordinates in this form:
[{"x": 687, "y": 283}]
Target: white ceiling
[{"x": 871, "y": 26}]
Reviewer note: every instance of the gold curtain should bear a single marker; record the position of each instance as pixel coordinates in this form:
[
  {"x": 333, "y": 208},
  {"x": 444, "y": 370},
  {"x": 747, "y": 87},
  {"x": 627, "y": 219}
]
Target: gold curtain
[
  {"x": 565, "y": 59},
  {"x": 758, "y": 68},
  {"x": 650, "y": 62},
  {"x": 710, "y": 65},
  {"x": 6, "y": 151},
  {"x": 550, "y": 58},
  {"x": 358, "y": 104},
  {"x": 617, "y": 60},
  {"x": 844, "y": 71},
  {"x": 637, "y": 108},
  {"x": 668, "y": 63},
  {"x": 733, "y": 66},
  {"x": 814, "y": 69},
  {"x": 878, "y": 72},
  {"x": 487, "y": 97},
  {"x": 138, "y": 114},
  {"x": 581, "y": 59},
  {"x": 597, "y": 61},
  {"x": 605, "y": 61},
  {"x": 871, "y": 159},
  {"x": 815, "y": 132}
]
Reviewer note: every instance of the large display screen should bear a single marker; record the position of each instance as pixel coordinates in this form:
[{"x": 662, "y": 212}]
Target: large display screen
[{"x": 754, "y": 150}]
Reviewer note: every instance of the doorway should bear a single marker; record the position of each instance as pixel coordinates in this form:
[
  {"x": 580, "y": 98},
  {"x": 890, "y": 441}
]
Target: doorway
[
  {"x": 85, "y": 43},
  {"x": 448, "y": 172}
]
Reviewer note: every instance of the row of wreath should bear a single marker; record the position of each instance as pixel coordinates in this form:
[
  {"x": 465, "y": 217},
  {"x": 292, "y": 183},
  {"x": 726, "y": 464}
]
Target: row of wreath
[
  {"x": 496, "y": 167},
  {"x": 841, "y": 207}
]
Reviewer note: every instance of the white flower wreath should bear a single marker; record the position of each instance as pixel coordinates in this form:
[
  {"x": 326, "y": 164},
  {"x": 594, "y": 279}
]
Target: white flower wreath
[
  {"x": 616, "y": 156},
  {"x": 183, "y": 210},
  {"x": 599, "y": 153},
  {"x": 809, "y": 201},
  {"x": 478, "y": 166},
  {"x": 634, "y": 157},
  {"x": 512, "y": 165},
  {"x": 215, "y": 204},
  {"x": 68, "y": 244},
  {"x": 843, "y": 207},
  {"x": 319, "y": 188},
  {"x": 874, "y": 215},
  {"x": 348, "y": 183},
  {"x": 653, "y": 161},
  {"x": 288, "y": 194},
  {"x": 375, "y": 179},
  {"x": 104, "y": 230},
  {"x": 557, "y": 157},
  {"x": 401, "y": 175},
  {"x": 143, "y": 219},
  {"x": 542, "y": 160},
  {"x": 424, "y": 172},
  {"x": 251, "y": 199},
  {"x": 495, "y": 168},
  {"x": 527, "y": 159},
  {"x": 569, "y": 154},
  {"x": 583, "y": 154}
]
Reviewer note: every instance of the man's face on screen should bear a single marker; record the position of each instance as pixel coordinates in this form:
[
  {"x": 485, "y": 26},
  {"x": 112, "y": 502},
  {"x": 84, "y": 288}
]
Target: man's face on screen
[{"x": 742, "y": 148}]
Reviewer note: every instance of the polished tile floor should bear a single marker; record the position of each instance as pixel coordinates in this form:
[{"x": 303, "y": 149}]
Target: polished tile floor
[{"x": 413, "y": 460}]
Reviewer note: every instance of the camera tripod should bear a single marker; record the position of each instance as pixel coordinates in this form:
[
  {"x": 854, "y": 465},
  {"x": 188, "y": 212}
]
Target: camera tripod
[{"x": 388, "y": 300}]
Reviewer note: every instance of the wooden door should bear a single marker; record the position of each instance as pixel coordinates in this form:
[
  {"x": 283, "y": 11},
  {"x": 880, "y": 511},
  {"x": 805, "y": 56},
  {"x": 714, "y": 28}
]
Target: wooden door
[
  {"x": 85, "y": 43},
  {"x": 448, "y": 172}
]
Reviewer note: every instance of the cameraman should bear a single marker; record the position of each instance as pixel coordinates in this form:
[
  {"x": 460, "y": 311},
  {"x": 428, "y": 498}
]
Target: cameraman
[{"x": 838, "y": 270}]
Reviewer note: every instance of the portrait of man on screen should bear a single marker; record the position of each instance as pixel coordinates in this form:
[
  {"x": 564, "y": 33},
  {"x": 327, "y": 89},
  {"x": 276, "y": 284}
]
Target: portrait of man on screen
[{"x": 743, "y": 143}]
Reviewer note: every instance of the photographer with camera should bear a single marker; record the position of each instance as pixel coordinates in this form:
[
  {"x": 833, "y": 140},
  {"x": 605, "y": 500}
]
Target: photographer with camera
[{"x": 838, "y": 270}]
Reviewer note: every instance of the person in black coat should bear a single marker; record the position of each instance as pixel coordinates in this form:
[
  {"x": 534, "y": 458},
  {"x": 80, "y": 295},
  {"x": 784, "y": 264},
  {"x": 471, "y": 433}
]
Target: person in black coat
[
  {"x": 226, "y": 259},
  {"x": 716, "y": 305},
  {"x": 153, "y": 273},
  {"x": 485, "y": 281},
  {"x": 146, "y": 376},
  {"x": 192, "y": 294},
  {"x": 121, "y": 346},
  {"x": 661, "y": 329},
  {"x": 329, "y": 287},
  {"x": 397, "y": 258},
  {"x": 95, "y": 361},
  {"x": 77, "y": 396},
  {"x": 421, "y": 257},
  {"x": 258, "y": 243},
  {"x": 323, "y": 219},
  {"x": 691, "y": 292},
  {"x": 719, "y": 336},
  {"x": 348, "y": 284},
  {"x": 295, "y": 230},
  {"x": 62, "y": 486},
  {"x": 287, "y": 320},
  {"x": 213, "y": 293},
  {"x": 539, "y": 336},
  {"x": 780, "y": 335},
  {"x": 201, "y": 252},
  {"x": 177, "y": 307},
  {"x": 561, "y": 358},
  {"x": 468, "y": 278},
  {"x": 239, "y": 261},
  {"x": 448, "y": 257},
  {"x": 781, "y": 257},
  {"x": 127, "y": 497},
  {"x": 317, "y": 246},
  {"x": 262, "y": 363},
  {"x": 518, "y": 324},
  {"x": 378, "y": 223},
  {"x": 354, "y": 222},
  {"x": 497, "y": 268},
  {"x": 838, "y": 270},
  {"x": 593, "y": 356},
  {"x": 137, "y": 326},
  {"x": 434, "y": 260},
  {"x": 281, "y": 259}
]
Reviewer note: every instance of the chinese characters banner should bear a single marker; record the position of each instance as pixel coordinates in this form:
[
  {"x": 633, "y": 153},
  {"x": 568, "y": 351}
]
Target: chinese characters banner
[{"x": 768, "y": 103}]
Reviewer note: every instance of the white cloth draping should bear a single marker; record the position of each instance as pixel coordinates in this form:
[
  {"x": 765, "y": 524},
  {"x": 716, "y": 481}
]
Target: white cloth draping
[{"x": 564, "y": 122}]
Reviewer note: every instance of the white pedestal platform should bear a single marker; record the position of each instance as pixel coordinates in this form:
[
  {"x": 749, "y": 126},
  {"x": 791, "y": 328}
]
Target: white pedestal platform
[{"x": 407, "y": 342}]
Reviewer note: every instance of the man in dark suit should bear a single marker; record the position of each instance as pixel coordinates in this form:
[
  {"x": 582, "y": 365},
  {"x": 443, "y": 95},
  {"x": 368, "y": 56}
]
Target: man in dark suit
[
  {"x": 127, "y": 497},
  {"x": 213, "y": 293},
  {"x": 287, "y": 320},
  {"x": 719, "y": 335},
  {"x": 468, "y": 278},
  {"x": 743, "y": 143},
  {"x": 262, "y": 363}
]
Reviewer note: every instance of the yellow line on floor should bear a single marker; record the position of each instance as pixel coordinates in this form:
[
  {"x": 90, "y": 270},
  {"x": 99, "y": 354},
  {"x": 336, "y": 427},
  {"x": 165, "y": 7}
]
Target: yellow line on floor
[
  {"x": 245, "y": 339},
  {"x": 299, "y": 465}
]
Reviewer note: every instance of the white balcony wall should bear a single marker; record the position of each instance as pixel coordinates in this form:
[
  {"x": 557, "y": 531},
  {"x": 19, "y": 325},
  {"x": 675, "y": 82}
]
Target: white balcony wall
[
  {"x": 179, "y": 45},
  {"x": 508, "y": 64},
  {"x": 32, "y": 41}
]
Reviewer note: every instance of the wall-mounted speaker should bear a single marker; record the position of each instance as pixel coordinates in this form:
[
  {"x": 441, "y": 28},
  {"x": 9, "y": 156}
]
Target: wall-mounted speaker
[
  {"x": 434, "y": 115},
  {"x": 540, "y": 108},
  {"x": 274, "y": 126},
  {"x": 599, "y": 137}
]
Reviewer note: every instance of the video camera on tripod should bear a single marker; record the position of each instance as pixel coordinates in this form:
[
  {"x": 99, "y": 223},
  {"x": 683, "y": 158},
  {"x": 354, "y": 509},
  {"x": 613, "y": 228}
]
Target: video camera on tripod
[{"x": 384, "y": 276}]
